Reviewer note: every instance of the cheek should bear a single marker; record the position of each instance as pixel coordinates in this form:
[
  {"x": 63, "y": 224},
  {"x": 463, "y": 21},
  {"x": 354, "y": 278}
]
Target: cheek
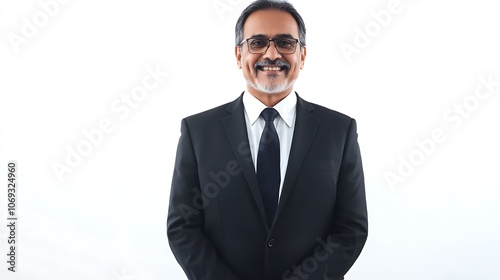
[
  {"x": 298, "y": 64},
  {"x": 248, "y": 69},
  {"x": 248, "y": 65}
]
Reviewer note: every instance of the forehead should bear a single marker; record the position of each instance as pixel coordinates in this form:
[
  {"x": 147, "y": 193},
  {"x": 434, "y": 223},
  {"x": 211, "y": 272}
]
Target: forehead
[{"x": 270, "y": 23}]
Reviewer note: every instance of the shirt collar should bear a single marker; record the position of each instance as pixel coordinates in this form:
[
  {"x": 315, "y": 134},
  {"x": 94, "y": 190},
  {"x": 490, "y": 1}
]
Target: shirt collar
[{"x": 286, "y": 107}]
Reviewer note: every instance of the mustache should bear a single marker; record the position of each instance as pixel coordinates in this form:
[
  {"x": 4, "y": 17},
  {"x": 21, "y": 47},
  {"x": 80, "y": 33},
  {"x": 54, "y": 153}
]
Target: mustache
[{"x": 275, "y": 62}]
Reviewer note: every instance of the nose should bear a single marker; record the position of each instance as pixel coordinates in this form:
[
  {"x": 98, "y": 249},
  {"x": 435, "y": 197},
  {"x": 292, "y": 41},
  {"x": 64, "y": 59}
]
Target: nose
[{"x": 272, "y": 53}]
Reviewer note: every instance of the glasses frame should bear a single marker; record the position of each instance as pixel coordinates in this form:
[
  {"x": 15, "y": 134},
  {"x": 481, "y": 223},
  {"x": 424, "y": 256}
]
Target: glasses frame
[{"x": 297, "y": 42}]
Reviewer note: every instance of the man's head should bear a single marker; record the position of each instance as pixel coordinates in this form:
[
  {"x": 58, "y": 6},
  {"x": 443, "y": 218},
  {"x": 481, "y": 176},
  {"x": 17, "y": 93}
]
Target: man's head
[{"x": 270, "y": 67}]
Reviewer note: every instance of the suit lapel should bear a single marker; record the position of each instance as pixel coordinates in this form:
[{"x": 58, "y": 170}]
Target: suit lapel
[
  {"x": 305, "y": 129},
  {"x": 236, "y": 131}
]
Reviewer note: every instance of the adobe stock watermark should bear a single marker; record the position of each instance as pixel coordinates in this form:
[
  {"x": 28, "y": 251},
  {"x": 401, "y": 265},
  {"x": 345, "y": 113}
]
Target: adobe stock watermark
[
  {"x": 310, "y": 264},
  {"x": 31, "y": 26},
  {"x": 363, "y": 36},
  {"x": 221, "y": 7},
  {"x": 122, "y": 275},
  {"x": 220, "y": 180},
  {"x": 453, "y": 117},
  {"x": 122, "y": 107},
  {"x": 211, "y": 190}
]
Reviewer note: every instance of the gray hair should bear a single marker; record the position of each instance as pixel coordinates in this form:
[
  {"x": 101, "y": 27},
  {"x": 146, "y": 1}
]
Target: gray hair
[{"x": 270, "y": 5}]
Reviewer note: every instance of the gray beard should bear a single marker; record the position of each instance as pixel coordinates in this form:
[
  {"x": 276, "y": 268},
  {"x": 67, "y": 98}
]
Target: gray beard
[{"x": 272, "y": 87}]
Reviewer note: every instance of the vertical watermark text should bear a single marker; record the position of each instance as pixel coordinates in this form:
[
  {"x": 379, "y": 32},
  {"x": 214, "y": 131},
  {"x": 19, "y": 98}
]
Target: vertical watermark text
[{"x": 12, "y": 219}]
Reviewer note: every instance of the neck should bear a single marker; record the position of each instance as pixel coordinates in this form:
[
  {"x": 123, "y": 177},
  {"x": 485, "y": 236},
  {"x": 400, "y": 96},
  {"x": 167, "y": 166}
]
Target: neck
[{"x": 269, "y": 99}]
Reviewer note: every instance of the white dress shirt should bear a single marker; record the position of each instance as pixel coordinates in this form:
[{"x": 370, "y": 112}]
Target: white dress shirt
[{"x": 284, "y": 124}]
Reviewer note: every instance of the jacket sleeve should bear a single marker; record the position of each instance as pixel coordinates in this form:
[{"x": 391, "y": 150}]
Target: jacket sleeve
[
  {"x": 185, "y": 223},
  {"x": 349, "y": 227}
]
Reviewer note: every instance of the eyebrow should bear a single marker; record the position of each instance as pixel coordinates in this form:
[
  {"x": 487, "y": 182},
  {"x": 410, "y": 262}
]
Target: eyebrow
[{"x": 283, "y": 35}]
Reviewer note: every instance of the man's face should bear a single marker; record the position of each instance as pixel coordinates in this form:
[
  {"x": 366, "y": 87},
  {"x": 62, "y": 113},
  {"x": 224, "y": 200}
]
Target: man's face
[{"x": 271, "y": 72}]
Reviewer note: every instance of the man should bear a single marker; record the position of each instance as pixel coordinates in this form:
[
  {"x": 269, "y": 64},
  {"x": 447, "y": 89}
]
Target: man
[{"x": 268, "y": 186}]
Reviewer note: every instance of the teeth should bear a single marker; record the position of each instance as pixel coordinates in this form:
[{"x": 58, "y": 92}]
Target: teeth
[{"x": 265, "y": 68}]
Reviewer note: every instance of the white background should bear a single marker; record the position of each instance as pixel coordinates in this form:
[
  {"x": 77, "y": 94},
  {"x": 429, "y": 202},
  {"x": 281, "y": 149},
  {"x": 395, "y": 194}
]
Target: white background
[{"x": 106, "y": 218}]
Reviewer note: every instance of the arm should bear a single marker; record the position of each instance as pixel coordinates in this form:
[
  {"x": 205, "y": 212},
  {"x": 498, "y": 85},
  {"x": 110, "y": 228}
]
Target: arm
[
  {"x": 337, "y": 253},
  {"x": 185, "y": 222}
]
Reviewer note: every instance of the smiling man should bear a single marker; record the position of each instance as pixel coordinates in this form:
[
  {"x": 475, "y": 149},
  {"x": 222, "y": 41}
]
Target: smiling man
[
  {"x": 268, "y": 186},
  {"x": 270, "y": 72}
]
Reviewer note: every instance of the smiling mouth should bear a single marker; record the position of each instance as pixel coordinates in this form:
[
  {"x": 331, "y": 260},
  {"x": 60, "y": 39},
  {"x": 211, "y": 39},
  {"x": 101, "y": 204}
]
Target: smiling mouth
[{"x": 271, "y": 68}]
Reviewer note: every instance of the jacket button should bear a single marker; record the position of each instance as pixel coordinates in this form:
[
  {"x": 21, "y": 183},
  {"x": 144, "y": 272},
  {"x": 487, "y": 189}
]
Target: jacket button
[{"x": 270, "y": 243}]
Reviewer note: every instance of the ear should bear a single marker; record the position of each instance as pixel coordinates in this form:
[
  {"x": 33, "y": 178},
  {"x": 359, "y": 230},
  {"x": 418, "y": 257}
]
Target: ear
[
  {"x": 303, "y": 52},
  {"x": 237, "y": 53}
]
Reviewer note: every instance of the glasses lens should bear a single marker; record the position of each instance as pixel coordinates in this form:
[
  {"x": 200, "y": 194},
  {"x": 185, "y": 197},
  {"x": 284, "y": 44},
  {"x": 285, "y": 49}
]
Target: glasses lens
[
  {"x": 257, "y": 45},
  {"x": 285, "y": 45}
]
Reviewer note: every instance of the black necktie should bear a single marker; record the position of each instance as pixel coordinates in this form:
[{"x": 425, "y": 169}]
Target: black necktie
[{"x": 268, "y": 165}]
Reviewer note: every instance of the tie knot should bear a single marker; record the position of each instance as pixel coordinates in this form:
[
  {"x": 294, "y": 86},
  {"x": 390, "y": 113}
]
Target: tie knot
[{"x": 269, "y": 114}]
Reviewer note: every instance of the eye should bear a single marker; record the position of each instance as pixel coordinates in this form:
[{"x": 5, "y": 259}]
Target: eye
[
  {"x": 284, "y": 42},
  {"x": 258, "y": 43}
]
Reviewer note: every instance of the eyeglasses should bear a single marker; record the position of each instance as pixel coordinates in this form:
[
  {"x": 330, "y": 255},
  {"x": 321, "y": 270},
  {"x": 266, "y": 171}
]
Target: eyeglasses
[{"x": 260, "y": 45}]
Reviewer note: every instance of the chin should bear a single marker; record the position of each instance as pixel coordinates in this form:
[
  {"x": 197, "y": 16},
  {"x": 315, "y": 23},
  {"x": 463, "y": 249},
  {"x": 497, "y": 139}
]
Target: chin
[{"x": 273, "y": 88}]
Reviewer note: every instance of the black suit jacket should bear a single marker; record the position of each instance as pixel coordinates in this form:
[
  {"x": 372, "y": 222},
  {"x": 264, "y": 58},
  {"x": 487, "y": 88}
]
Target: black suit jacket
[{"x": 216, "y": 222}]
